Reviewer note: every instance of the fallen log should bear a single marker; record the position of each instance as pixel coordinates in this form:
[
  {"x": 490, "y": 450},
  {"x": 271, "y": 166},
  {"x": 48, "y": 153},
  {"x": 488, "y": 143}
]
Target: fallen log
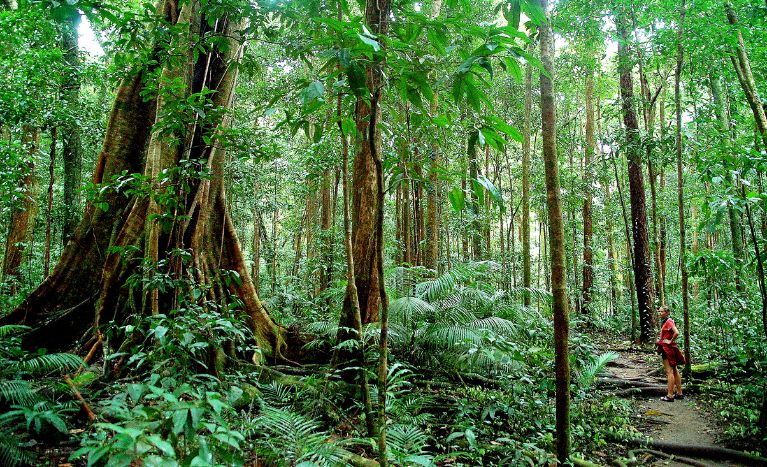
[
  {"x": 701, "y": 451},
  {"x": 672, "y": 457}
]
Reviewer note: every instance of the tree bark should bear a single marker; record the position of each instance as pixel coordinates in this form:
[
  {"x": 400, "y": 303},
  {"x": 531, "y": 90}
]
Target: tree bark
[
  {"x": 49, "y": 207},
  {"x": 87, "y": 287},
  {"x": 556, "y": 242},
  {"x": 734, "y": 220},
  {"x": 431, "y": 256},
  {"x": 70, "y": 129},
  {"x": 526, "y": 276},
  {"x": 23, "y": 212},
  {"x": 642, "y": 273},
  {"x": 742, "y": 66},
  {"x": 588, "y": 254},
  {"x": 365, "y": 231},
  {"x": 475, "y": 224},
  {"x": 680, "y": 184}
]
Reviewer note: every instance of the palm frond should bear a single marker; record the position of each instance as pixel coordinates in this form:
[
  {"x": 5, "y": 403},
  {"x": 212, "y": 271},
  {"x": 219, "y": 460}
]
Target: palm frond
[
  {"x": 496, "y": 324},
  {"x": 409, "y": 310}
]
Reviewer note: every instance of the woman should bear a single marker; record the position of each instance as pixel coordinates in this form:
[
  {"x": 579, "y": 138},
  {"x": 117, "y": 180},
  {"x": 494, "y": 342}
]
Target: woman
[{"x": 671, "y": 355}]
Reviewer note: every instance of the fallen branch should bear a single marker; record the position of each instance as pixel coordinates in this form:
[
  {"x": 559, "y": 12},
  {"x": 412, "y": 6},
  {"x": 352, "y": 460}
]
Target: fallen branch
[
  {"x": 79, "y": 397},
  {"x": 90, "y": 355},
  {"x": 643, "y": 391}
]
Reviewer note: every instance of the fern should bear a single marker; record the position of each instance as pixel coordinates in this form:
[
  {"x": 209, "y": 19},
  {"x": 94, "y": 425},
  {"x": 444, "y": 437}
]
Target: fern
[
  {"x": 590, "y": 372},
  {"x": 12, "y": 329},
  {"x": 48, "y": 362},
  {"x": 407, "y": 445},
  {"x": 10, "y": 453},
  {"x": 289, "y": 438},
  {"x": 18, "y": 392}
]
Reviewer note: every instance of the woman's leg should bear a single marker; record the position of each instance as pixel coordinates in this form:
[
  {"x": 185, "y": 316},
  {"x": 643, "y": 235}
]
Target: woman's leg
[
  {"x": 677, "y": 381},
  {"x": 669, "y": 378}
]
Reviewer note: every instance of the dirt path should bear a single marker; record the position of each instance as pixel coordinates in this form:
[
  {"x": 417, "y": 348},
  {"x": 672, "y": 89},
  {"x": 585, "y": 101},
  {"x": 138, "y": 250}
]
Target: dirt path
[{"x": 682, "y": 421}]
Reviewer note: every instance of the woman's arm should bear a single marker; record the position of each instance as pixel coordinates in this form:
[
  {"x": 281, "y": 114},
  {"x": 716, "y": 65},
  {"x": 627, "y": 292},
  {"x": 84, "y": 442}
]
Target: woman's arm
[{"x": 674, "y": 336}]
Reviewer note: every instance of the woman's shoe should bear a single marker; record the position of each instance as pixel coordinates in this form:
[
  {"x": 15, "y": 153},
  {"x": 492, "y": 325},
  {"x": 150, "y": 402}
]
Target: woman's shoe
[
  {"x": 667, "y": 399},
  {"x": 679, "y": 396}
]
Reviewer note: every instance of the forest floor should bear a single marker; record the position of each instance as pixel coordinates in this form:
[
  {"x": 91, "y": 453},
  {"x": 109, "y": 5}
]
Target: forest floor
[{"x": 687, "y": 421}]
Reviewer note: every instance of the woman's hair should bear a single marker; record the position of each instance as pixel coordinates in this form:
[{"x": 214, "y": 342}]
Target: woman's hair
[{"x": 663, "y": 308}]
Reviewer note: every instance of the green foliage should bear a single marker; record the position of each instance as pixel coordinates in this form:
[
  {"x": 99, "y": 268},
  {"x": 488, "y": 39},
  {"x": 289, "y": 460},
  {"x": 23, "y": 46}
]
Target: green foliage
[
  {"x": 34, "y": 408},
  {"x": 166, "y": 422}
]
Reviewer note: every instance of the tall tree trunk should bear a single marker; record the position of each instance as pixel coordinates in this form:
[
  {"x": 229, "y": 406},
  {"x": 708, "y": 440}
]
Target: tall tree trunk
[
  {"x": 365, "y": 231},
  {"x": 588, "y": 255},
  {"x": 49, "y": 207},
  {"x": 611, "y": 254},
  {"x": 23, "y": 212},
  {"x": 326, "y": 229},
  {"x": 407, "y": 213},
  {"x": 87, "y": 287},
  {"x": 556, "y": 242},
  {"x": 70, "y": 129},
  {"x": 680, "y": 183},
  {"x": 526, "y": 276},
  {"x": 476, "y": 225},
  {"x": 351, "y": 283},
  {"x": 431, "y": 257},
  {"x": 742, "y": 65},
  {"x": 257, "y": 232},
  {"x": 486, "y": 210},
  {"x": 734, "y": 220},
  {"x": 642, "y": 273}
]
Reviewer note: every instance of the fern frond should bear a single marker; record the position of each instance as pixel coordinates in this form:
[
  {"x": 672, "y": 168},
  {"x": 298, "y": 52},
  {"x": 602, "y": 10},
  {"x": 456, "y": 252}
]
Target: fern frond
[
  {"x": 295, "y": 439},
  {"x": 18, "y": 392},
  {"x": 10, "y": 453},
  {"x": 407, "y": 444},
  {"x": 276, "y": 393},
  {"x": 590, "y": 372},
  {"x": 12, "y": 329},
  {"x": 49, "y": 362},
  {"x": 323, "y": 328}
]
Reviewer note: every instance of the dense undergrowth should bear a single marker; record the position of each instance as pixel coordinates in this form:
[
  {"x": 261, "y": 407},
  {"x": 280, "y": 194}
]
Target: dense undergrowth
[{"x": 470, "y": 383}]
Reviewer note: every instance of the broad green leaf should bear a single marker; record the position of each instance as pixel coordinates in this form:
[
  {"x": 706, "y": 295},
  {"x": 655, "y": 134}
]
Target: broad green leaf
[{"x": 457, "y": 199}]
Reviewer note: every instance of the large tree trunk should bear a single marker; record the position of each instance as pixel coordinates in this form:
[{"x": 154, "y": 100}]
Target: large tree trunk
[
  {"x": 431, "y": 256},
  {"x": 642, "y": 273},
  {"x": 70, "y": 129},
  {"x": 588, "y": 254},
  {"x": 526, "y": 276},
  {"x": 22, "y": 221},
  {"x": 365, "y": 231},
  {"x": 735, "y": 228},
  {"x": 88, "y": 285},
  {"x": 49, "y": 206},
  {"x": 556, "y": 243},
  {"x": 680, "y": 186},
  {"x": 326, "y": 226}
]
